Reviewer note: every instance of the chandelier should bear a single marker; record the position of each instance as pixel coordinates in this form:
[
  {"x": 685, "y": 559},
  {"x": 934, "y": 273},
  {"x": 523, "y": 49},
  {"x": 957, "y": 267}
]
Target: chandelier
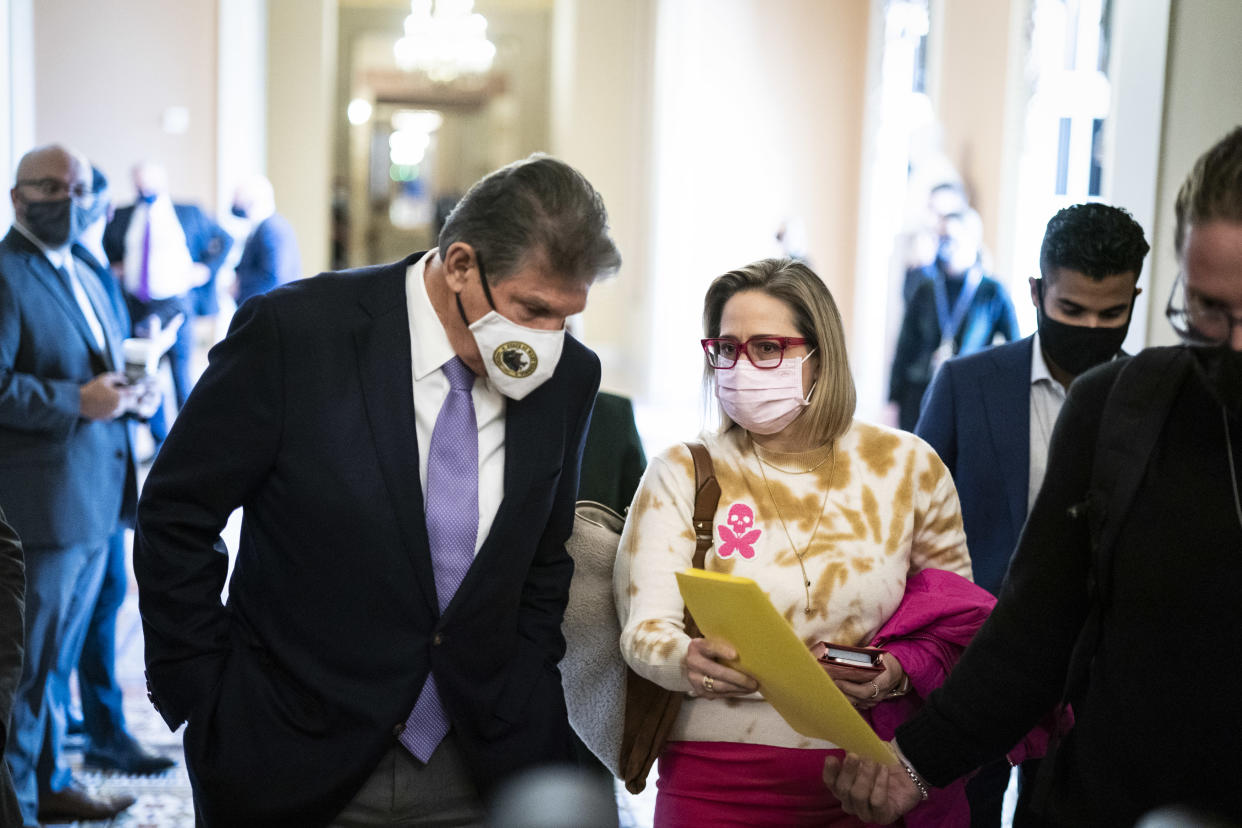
[{"x": 444, "y": 39}]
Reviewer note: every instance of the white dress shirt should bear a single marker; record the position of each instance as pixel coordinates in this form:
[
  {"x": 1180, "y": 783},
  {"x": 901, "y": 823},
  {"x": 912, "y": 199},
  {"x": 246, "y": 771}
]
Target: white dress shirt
[
  {"x": 170, "y": 270},
  {"x": 62, "y": 259},
  {"x": 1047, "y": 397},
  {"x": 430, "y": 349}
]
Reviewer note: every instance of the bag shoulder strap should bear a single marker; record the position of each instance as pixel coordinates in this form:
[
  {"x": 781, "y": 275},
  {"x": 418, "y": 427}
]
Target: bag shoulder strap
[
  {"x": 706, "y": 498},
  {"x": 1134, "y": 415}
]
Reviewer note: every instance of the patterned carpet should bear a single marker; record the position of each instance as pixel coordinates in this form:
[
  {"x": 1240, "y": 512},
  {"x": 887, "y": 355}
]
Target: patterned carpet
[{"x": 164, "y": 800}]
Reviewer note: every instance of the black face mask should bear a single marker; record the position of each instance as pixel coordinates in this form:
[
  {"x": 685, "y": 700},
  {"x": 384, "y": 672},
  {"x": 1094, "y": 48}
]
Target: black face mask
[
  {"x": 56, "y": 223},
  {"x": 1076, "y": 348},
  {"x": 1221, "y": 370}
]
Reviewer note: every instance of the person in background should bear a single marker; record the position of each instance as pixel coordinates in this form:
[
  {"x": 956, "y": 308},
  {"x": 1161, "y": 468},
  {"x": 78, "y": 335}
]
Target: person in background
[
  {"x": 405, "y": 440},
  {"x": 1147, "y": 734},
  {"x": 12, "y": 648},
  {"x": 270, "y": 256},
  {"x": 167, "y": 256},
  {"x": 922, "y": 242},
  {"x": 990, "y": 415},
  {"x": 109, "y": 743},
  {"x": 958, "y": 310},
  {"x": 66, "y": 445},
  {"x": 845, "y": 525}
]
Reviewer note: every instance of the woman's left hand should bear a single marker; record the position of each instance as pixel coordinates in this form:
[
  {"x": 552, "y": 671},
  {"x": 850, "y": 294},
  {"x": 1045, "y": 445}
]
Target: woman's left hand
[{"x": 867, "y": 694}]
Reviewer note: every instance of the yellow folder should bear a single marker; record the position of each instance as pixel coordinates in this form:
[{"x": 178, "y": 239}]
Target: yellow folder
[{"x": 735, "y": 610}]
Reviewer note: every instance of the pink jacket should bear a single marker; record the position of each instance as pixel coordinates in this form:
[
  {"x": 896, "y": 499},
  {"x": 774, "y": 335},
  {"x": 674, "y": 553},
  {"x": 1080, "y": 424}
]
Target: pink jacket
[{"x": 938, "y": 616}]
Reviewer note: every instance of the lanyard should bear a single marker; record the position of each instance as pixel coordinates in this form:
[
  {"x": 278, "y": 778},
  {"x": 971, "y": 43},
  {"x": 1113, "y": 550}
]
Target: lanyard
[{"x": 951, "y": 320}]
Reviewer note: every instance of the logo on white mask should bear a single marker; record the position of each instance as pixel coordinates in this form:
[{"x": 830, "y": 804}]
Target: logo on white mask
[
  {"x": 522, "y": 359},
  {"x": 762, "y": 400},
  {"x": 517, "y": 359}
]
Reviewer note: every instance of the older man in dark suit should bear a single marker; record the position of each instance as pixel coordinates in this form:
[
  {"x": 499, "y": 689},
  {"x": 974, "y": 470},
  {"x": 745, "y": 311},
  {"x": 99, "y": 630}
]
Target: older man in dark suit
[
  {"x": 66, "y": 465},
  {"x": 405, "y": 441}
]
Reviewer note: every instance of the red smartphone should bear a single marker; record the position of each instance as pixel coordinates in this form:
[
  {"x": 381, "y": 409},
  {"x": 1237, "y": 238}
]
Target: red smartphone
[{"x": 847, "y": 663}]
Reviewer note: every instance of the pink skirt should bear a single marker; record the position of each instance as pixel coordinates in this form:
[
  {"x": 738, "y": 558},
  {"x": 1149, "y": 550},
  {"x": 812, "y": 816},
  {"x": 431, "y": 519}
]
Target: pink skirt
[{"x": 726, "y": 784}]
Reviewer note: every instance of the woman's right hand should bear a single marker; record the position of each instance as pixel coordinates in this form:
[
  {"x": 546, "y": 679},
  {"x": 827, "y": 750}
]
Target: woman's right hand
[{"x": 709, "y": 678}]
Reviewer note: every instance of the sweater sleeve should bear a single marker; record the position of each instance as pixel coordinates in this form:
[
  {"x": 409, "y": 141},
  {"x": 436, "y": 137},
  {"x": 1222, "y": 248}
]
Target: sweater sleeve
[
  {"x": 658, "y": 541},
  {"x": 939, "y": 540}
]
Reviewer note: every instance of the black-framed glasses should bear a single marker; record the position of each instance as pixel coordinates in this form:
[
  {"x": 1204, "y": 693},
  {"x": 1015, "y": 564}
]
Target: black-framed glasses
[
  {"x": 54, "y": 189},
  {"x": 762, "y": 351},
  {"x": 1199, "y": 320}
]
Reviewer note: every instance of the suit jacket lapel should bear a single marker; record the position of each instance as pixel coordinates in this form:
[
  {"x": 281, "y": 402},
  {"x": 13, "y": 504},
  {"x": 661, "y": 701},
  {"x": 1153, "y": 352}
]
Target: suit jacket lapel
[
  {"x": 1007, "y": 396},
  {"x": 385, "y": 371},
  {"x": 54, "y": 281}
]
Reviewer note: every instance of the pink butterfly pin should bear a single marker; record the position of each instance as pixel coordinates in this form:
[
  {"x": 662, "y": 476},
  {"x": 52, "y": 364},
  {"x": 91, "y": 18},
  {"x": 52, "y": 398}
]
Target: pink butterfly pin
[{"x": 738, "y": 536}]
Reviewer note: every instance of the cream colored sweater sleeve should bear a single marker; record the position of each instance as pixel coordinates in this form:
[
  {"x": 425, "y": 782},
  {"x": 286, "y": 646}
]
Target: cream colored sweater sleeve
[
  {"x": 658, "y": 541},
  {"x": 939, "y": 540}
]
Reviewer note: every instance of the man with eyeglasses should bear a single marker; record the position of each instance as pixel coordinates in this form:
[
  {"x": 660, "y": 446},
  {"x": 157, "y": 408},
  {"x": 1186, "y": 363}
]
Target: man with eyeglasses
[
  {"x": 1123, "y": 595},
  {"x": 67, "y": 474}
]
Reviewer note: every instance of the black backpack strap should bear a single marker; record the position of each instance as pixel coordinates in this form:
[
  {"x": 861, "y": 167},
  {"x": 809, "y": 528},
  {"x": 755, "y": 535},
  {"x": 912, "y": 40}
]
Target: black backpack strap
[{"x": 1134, "y": 415}]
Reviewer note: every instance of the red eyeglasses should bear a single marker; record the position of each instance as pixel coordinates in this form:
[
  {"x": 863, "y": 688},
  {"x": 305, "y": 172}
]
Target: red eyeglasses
[{"x": 762, "y": 351}]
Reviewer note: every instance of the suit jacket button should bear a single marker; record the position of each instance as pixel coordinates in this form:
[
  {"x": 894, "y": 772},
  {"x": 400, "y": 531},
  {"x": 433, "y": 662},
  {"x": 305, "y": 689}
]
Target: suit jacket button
[
  {"x": 120, "y": 455},
  {"x": 437, "y": 639},
  {"x": 398, "y": 728}
]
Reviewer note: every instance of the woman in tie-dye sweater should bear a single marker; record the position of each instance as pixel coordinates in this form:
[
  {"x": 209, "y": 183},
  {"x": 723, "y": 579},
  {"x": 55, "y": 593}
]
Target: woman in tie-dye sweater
[{"x": 829, "y": 515}]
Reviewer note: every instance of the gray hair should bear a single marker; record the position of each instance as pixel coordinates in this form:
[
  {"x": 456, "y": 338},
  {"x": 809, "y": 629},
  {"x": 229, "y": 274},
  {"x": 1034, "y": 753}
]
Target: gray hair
[{"x": 541, "y": 207}]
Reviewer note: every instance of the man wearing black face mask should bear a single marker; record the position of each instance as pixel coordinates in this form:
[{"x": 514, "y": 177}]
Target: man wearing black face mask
[
  {"x": 956, "y": 310},
  {"x": 67, "y": 475},
  {"x": 1132, "y": 552},
  {"x": 990, "y": 415}
]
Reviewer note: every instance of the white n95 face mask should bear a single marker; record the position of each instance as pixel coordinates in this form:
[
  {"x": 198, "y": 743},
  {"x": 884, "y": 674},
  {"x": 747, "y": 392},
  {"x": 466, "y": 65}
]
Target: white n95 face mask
[
  {"x": 762, "y": 400},
  {"x": 518, "y": 359}
]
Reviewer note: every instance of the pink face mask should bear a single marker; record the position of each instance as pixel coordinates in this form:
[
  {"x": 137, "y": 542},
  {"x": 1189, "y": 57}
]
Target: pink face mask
[{"x": 763, "y": 400}]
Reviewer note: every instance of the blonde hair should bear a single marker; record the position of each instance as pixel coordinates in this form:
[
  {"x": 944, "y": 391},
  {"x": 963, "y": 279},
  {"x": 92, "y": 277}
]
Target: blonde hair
[{"x": 818, "y": 321}]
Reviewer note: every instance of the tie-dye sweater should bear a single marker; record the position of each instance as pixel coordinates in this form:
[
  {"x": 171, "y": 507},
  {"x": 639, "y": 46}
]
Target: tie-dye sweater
[{"x": 890, "y": 510}]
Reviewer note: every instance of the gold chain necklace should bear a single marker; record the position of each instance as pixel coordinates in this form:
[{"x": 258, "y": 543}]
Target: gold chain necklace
[{"x": 806, "y": 582}]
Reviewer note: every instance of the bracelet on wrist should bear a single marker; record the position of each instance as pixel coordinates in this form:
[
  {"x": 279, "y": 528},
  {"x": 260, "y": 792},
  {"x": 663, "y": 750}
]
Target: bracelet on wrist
[
  {"x": 914, "y": 777},
  {"x": 901, "y": 688}
]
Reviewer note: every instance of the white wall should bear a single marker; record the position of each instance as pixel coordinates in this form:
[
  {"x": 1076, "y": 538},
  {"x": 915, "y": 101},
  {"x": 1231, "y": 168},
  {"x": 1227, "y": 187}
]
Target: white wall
[
  {"x": 106, "y": 75},
  {"x": 241, "y": 142},
  {"x": 1202, "y": 101},
  {"x": 16, "y": 92},
  {"x": 301, "y": 73}
]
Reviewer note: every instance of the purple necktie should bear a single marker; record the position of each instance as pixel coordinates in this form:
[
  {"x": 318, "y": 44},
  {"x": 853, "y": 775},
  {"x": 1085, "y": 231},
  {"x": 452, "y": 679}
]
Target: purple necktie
[
  {"x": 452, "y": 499},
  {"x": 144, "y": 273}
]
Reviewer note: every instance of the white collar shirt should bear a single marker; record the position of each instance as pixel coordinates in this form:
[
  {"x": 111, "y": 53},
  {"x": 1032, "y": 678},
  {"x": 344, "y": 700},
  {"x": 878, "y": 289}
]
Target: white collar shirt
[
  {"x": 62, "y": 259},
  {"x": 170, "y": 269},
  {"x": 430, "y": 349},
  {"x": 1047, "y": 397}
]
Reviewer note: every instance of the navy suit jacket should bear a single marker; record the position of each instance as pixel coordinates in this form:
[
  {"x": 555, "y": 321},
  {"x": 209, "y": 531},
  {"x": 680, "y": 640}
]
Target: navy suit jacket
[
  {"x": 208, "y": 243},
  {"x": 296, "y": 688},
  {"x": 269, "y": 258},
  {"x": 977, "y": 416},
  {"x": 64, "y": 480}
]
